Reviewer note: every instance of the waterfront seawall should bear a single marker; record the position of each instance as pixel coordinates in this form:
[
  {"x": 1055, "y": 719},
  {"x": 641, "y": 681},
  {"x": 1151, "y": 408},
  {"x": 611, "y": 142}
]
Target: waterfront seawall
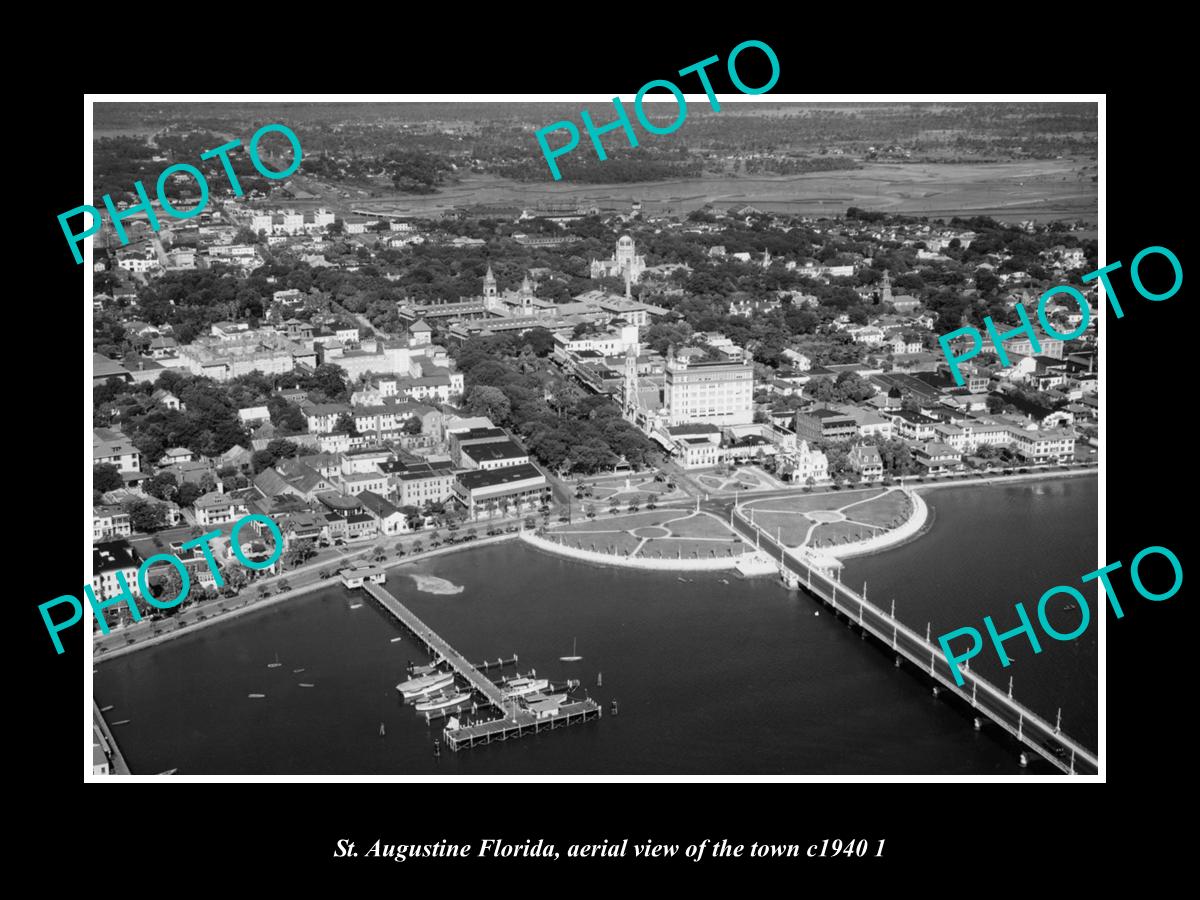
[{"x": 910, "y": 529}]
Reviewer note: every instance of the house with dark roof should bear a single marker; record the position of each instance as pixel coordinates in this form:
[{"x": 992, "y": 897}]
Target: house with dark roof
[
  {"x": 102, "y": 369},
  {"x": 390, "y": 520}
]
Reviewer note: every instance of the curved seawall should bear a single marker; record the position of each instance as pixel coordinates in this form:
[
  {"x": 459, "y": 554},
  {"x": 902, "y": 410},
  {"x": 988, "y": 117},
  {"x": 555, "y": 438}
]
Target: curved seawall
[{"x": 910, "y": 529}]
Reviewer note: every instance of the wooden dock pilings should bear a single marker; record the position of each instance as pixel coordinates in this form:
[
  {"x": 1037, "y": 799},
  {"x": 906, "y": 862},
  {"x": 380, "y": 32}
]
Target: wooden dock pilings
[
  {"x": 515, "y": 721},
  {"x": 519, "y": 725}
]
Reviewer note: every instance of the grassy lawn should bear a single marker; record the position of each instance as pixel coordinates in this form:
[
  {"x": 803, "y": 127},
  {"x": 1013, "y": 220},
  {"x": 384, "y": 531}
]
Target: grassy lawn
[
  {"x": 601, "y": 543},
  {"x": 671, "y": 549},
  {"x": 840, "y": 533},
  {"x": 620, "y": 523},
  {"x": 792, "y": 527},
  {"x": 699, "y": 526},
  {"x": 806, "y": 502},
  {"x": 881, "y": 511}
]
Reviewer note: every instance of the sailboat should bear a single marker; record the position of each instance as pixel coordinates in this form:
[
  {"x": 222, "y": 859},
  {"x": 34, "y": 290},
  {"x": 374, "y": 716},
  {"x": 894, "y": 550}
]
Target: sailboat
[
  {"x": 276, "y": 664},
  {"x": 574, "y": 657}
]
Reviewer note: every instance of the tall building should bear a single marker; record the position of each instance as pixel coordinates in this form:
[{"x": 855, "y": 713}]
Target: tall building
[
  {"x": 719, "y": 392},
  {"x": 624, "y": 260}
]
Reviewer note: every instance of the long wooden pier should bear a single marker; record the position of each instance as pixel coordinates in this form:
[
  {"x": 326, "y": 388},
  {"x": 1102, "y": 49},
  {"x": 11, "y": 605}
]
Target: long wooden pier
[
  {"x": 515, "y": 721},
  {"x": 1030, "y": 729}
]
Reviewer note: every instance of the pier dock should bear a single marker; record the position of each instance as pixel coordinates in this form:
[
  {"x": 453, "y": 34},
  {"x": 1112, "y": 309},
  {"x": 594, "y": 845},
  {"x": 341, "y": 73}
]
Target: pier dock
[{"x": 515, "y": 721}]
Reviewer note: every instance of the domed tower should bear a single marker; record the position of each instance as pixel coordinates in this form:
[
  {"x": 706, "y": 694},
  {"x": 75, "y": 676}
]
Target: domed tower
[{"x": 625, "y": 252}]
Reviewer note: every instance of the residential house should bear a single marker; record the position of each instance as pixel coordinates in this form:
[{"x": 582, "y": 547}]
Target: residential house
[
  {"x": 214, "y": 508},
  {"x": 865, "y": 460},
  {"x": 114, "y": 448}
]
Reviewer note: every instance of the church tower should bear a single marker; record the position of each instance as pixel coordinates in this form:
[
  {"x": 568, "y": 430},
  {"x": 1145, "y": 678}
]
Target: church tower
[
  {"x": 887, "y": 287},
  {"x": 526, "y": 295},
  {"x": 632, "y": 400},
  {"x": 489, "y": 285}
]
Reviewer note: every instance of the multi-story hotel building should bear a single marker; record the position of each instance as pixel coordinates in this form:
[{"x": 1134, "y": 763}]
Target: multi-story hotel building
[
  {"x": 718, "y": 392},
  {"x": 223, "y": 356}
]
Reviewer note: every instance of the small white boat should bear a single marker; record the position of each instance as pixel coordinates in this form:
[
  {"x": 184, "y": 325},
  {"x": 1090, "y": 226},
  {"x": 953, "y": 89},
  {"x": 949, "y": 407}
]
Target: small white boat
[
  {"x": 306, "y": 684},
  {"x": 297, "y": 671},
  {"x": 126, "y": 721},
  {"x": 442, "y": 701},
  {"x": 393, "y": 640},
  {"x": 355, "y": 605},
  {"x": 573, "y": 657},
  {"x": 519, "y": 687},
  {"x": 106, "y": 708},
  {"x": 276, "y": 664},
  {"x": 256, "y": 696},
  {"x": 425, "y": 684}
]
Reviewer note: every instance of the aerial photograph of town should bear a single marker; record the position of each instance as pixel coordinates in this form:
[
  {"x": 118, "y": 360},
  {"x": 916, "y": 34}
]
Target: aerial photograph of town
[{"x": 451, "y": 468}]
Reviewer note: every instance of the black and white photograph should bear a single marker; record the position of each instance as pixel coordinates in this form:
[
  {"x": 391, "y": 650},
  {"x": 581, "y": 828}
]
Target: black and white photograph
[{"x": 511, "y": 437}]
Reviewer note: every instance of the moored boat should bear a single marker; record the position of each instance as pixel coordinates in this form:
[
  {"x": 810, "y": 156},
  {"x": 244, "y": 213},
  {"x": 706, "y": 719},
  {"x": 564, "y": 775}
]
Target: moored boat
[
  {"x": 424, "y": 684},
  {"x": 519, "y": 687},
  {"x": 442, "y": 701}
]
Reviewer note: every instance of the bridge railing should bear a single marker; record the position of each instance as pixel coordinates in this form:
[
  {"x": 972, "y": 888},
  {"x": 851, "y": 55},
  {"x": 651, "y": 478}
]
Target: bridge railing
[{"x": 1025, "y": 715}]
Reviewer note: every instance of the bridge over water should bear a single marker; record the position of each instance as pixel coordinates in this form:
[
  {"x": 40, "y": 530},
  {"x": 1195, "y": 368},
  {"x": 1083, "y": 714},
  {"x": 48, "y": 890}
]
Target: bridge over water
[{"x": 1030, "y": 729}]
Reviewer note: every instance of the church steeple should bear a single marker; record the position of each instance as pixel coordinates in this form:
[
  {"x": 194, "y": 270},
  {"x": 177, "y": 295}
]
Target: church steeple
[{"x": 489, "y": 284}]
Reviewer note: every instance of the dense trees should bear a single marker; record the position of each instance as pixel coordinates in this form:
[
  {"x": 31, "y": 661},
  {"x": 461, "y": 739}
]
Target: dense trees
[
  {"x": 144, "y": 516},
  {"x": 106, "y": 477},
  {"x": 568, "y": 432},
  {"x": 847, "y": 387},
  {"x": 208, "y": 424},
  {"x": 274, "y": 451}
]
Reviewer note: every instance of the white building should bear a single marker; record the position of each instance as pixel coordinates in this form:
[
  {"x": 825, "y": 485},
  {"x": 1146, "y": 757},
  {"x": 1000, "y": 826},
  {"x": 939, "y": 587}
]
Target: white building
[
  {"x": 717, "y": 392},
  {"x": 625, "y": 258}
]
